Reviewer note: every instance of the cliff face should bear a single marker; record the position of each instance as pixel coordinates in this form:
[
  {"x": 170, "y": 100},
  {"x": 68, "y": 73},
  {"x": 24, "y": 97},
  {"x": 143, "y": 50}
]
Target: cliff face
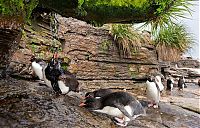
[{"x": 88, "y": 52}]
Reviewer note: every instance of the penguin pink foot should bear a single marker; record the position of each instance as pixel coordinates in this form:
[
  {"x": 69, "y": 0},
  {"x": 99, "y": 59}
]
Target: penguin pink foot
[
  {"x": 155, "y": 106},
  {"x": 120, "y": 121},
  {"x": 150, "y": 104}
]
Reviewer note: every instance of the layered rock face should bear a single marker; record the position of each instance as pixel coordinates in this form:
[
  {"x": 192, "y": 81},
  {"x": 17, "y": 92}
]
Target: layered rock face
[
  {"x": 88, "y": 52},
  {"x": 10, "y": 34},
  {"x": 186, "y": 67}
]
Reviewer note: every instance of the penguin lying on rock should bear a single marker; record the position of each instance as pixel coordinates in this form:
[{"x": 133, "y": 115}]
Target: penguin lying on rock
[
  {"x": 120, "y": 105},
  {"x": 98, "y": 93}
]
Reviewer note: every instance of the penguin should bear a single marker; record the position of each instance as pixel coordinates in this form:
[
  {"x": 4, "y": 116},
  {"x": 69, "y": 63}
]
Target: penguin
[
  {"x": 37, "y": 66},
  {"x": 159, "y": 83},
  {"x": 122, "y": 106},
  {"x": 199, "y": 82},
  {"x": 98, "y": 93},
  {"x": 170, "y": 84},
  {"x": 153, "y": 92},
  {"x": 50, "y": 76},
  {"x": 62, "y": 81},
  {"x": 181, "y": 83}
]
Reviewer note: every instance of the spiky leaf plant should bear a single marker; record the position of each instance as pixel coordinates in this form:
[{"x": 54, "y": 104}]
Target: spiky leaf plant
[
  {"x": 167, "y": 12},
  {"x": 128, "y": 40},
  {"x": 172, "y": 41}
]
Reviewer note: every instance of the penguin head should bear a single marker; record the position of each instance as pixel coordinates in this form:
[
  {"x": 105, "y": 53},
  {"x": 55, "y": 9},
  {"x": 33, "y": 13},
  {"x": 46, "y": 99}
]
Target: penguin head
[
  {"x": 89, "y": 95},
  {"x": 91, "y": 103},
  {"x": 51, "y": 63},
  {"x": 32, "y": 58},
  {"x": 150, "y": 78}
]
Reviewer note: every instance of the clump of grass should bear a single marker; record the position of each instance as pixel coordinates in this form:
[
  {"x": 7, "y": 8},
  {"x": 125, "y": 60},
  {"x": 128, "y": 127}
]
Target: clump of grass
[
  {"x": 172, "y": 41},
  {"x": 167, "y": 12},
  {"x": 128, "y": 40}
]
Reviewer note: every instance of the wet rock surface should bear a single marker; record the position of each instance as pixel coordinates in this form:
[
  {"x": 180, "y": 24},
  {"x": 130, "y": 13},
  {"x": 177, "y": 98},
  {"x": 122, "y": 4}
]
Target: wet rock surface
[{"x": 28, "y": 104}]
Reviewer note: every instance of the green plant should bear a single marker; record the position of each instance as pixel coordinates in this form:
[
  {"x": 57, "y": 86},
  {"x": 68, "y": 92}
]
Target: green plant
[
  {"x": 105, "y": 44},
  {"x": 17, "y": 8},
  {"x": 128, "y": 40},
  {"x": 172, "y": 41},
  {"x": 167, "y": 12},
  {"x": 33, "y": 47},
  {"x": 64, "y": 66}
]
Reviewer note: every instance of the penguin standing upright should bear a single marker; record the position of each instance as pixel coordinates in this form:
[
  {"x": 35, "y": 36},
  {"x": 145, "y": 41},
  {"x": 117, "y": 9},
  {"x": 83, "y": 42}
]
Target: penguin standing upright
[
  {"x": 153, "y": 92},
  {"x": 50, "y": 76},
  {"x": 170, "y": 83},
  {"x": 38, "y": 65},
  {"x": 181, "y": 83},
  {"x": 60, "y": 80},
  {"x": 121, "y": 105}
]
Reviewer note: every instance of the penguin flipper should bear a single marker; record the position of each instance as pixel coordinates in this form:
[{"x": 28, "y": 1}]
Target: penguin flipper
[{"x": 123, "y": 110}]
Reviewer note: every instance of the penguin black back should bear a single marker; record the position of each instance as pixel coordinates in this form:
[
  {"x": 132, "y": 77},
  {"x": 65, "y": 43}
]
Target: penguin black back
[
  {"x": 98, "y": 93},
  {"x": 70, "y": 80},
  {"x": 181, "y": 83},
  {"x": 169, "y": 84}
]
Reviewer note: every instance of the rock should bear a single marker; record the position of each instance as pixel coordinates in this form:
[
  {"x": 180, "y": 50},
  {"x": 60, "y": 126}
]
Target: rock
[
  {"x": 87, "y": 51},
  {"x": 28, "y": 104},
  {"x": 186, "y": 67}
]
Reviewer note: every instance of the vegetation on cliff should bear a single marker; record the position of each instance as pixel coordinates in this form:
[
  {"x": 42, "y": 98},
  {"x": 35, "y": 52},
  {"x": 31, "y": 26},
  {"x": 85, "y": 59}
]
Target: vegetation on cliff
[
  {"x": 171, "y": 41},
  {"x": 17, "y": 8},
  {"x": 102, "y": 11},
  {"x": 128, "y": 40}
]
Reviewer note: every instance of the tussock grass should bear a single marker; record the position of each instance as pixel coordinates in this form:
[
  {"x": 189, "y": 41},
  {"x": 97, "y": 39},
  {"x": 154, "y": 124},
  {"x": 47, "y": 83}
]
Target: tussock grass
[{"x": 172, "y": 41}]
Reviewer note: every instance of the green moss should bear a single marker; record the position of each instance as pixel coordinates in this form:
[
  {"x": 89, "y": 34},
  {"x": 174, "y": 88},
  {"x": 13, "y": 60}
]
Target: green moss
[
  {"x": 33, "y": 48},
  {"x": 17, "y": 8},
  {"x": 116, "y": 9},
  {"x": 105, "y": 45},
  {"x": 125, "y": 3},
  {"x": 64, "y": 66},
  {"x": 134, "y": 73}
]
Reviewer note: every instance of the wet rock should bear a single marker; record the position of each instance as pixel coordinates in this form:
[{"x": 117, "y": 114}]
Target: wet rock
[{"x": 27, "y": 104}]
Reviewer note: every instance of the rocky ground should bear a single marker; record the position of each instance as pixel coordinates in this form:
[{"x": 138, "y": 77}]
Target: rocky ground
[{"x": 28, "y": 104}]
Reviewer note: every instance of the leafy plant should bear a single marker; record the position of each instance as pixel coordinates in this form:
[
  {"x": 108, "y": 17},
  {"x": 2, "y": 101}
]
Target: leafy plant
[
  {"x": 167, "y": 12},
  {"x": 172, "y": 41},
  {"x": 128, "y": 40},
  {"x": 17, "y": 7}
]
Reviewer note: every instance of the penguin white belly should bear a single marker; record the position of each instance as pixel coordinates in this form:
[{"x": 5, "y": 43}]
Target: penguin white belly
[
  {"x": 37, "y": 69},
  {"x": 64, "y": 89},
  {"x": 113, "y": 111},
  {"x": 183, "y": 86},
  {"x": 171, "y": 85},
  {"x": 152, "y": 92},
  {"x": 47, "y": 82}
]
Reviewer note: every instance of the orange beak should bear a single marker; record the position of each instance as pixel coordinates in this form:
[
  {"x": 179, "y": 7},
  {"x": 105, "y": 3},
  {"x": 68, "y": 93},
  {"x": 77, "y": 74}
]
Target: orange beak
[
  {"x": 55, "y": 56},
  {"x": 82, "y": 104}
]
